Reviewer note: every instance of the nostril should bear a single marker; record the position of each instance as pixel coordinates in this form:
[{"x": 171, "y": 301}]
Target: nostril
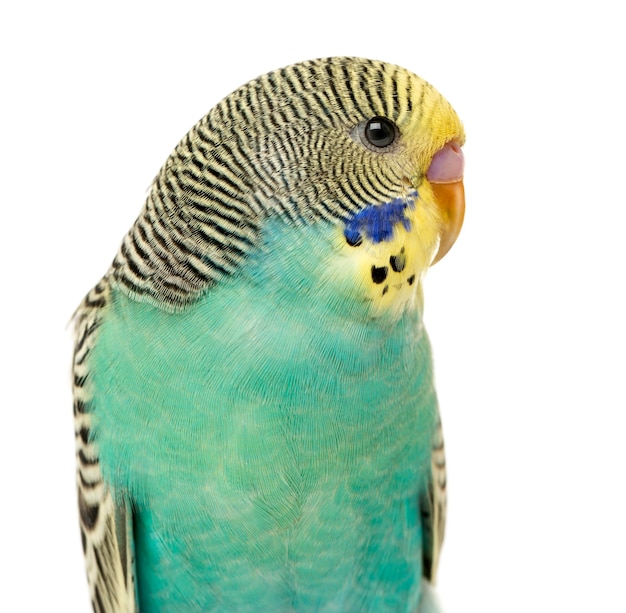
[{"x": 447, "y": 165}]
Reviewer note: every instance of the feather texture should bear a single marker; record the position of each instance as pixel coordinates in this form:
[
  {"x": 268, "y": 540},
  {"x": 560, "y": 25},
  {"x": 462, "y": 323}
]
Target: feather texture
[
  {"x": 256, "y": 422},
  {"x": 106, "y": 530}
]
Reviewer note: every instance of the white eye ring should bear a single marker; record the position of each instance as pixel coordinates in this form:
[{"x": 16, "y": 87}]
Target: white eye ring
[{"x": 378, "y": 134}]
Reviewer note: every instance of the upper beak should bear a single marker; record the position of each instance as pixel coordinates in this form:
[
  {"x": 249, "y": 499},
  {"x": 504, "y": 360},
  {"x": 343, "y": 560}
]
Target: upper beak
[{"x": 445, "y": 176}]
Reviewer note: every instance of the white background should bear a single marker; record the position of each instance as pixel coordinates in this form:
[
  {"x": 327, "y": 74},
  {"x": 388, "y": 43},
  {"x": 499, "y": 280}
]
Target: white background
[{"x": 526, "y": 314}]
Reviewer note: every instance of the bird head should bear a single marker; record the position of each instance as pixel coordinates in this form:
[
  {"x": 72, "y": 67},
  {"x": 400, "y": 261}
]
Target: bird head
[{"x": 367, "y": 146}]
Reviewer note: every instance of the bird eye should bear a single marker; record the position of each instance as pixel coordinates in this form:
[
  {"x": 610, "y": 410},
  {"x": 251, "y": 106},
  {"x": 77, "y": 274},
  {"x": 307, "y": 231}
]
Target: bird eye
[{"x": 380, "y": 132}]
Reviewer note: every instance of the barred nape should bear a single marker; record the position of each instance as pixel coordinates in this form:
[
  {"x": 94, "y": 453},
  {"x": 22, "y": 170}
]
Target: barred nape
[{"x": 270, "y": 148}]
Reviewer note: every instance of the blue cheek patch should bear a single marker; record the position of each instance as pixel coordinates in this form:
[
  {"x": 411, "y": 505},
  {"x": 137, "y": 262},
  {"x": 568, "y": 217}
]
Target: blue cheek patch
[{"x": 377, "y": 221}]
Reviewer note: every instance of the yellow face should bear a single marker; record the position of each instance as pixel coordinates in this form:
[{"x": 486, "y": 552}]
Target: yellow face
[
  {"x": 389, "y": 244},
  {"x": 385, "y": 250}
]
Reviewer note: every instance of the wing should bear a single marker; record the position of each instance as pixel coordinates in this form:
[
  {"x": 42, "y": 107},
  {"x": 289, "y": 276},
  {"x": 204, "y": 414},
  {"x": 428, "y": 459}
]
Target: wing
[
  {"x": 433, "y": 507},
  {"x": 106, "y": 524}
]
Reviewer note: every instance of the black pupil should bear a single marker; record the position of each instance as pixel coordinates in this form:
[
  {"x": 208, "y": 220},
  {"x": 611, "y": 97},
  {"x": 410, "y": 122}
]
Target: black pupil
[{"x": 380, "y": 132}]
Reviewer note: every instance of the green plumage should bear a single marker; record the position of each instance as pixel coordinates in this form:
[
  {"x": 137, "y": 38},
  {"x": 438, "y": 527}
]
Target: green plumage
[
  {"x": 256, "y": 421},
  {"x": 275, "y": 434}
]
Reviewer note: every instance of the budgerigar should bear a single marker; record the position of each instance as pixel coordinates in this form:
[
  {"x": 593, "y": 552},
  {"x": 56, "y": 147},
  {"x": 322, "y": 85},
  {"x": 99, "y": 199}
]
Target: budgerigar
[{"x": 256, "y": 422}]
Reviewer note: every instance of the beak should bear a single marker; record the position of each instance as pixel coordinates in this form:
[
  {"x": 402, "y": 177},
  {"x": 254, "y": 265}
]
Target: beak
[{"x": 445, "y": 176}]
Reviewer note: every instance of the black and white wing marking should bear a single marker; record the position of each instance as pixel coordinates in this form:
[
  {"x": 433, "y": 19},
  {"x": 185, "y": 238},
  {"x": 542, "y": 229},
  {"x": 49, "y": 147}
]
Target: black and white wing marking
[
  {"x": 105, "y": 523},
  {"x": 433, "y": 507}
]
